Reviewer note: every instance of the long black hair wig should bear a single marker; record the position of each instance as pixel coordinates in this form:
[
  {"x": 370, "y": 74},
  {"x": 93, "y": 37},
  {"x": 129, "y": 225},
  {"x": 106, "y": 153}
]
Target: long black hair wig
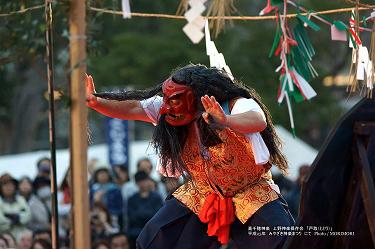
[{"x": 169, "y": 140}]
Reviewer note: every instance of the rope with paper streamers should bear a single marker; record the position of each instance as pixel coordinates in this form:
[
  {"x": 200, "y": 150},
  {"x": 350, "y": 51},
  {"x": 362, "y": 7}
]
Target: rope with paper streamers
[
  {"x": 295, "y": 51},
  {"x": 181, "y": 17},
  {"x": 233, "y": 18},
  {"x": 216, "y": 8},
  {"x": 292, "y": 45},
  {"x": 361, "y": 73},
  {"x": 193, "y": 29}
]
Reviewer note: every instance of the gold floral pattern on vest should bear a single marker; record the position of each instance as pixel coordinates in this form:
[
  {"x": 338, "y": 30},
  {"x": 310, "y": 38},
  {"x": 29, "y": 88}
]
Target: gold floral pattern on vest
[{"x": 229, "y": 171}]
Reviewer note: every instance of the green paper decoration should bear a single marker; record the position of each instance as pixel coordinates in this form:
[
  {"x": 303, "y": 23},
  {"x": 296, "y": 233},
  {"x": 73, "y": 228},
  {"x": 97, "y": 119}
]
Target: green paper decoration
[{"x": 310, "y": 23}]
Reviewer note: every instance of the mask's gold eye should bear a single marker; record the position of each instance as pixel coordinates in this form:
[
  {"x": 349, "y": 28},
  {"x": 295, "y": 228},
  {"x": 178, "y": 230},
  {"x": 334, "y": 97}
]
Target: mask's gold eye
[{"x": 174, "y": 101}]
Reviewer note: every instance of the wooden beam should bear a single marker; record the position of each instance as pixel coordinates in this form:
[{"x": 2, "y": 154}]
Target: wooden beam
[
  {"x": 78, "y": 125},
  {"x": 361, "y": 184},
  {"x": 367, "y": 188}
]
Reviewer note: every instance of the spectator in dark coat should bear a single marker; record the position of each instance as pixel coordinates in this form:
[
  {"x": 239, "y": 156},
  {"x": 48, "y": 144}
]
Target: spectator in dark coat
[
  {"x": 141, "y": 206},
  {"x": 105, "y": 191}
]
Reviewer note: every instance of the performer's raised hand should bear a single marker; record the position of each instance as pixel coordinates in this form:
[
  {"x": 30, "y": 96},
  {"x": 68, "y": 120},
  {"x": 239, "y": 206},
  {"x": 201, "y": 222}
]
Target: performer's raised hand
[
  {"x": 91, "y": 99},
  {"x": 213, "y": 109}
]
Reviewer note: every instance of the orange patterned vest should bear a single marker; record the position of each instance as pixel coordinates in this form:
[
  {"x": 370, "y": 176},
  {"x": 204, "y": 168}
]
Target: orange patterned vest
[{"x": 230, "y": 171}]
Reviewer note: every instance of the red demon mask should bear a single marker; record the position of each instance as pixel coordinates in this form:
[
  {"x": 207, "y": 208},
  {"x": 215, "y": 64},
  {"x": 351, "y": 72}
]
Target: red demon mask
[{"x": 178, "y": 103}]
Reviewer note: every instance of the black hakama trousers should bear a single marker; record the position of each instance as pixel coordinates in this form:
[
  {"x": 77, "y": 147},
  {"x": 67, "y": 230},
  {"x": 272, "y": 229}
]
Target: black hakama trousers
[{"x": 175, "y": 226}]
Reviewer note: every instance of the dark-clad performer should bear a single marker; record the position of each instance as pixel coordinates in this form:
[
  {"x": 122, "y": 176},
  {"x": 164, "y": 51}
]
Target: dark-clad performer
[{"x": 218, "y": 135}]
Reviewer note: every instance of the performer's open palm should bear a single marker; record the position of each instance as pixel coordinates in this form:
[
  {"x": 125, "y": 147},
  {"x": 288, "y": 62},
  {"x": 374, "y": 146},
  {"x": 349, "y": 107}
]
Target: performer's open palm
[
  {"x": 90, "y": 90},
  {"x": 213, "y": 109}
]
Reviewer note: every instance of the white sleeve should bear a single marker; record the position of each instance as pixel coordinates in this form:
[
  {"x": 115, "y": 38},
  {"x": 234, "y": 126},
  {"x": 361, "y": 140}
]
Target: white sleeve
[
  {"x": 245, "y": 105},
  {"x": 152, "y": 106},
  {"x": 260, "y": 150}
]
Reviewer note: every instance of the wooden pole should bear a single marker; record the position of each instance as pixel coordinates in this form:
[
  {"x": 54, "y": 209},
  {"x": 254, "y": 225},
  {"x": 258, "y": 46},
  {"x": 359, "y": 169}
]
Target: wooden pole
[
  {"x": 78, "y": 125},
  {"x": 51, "y": 124}
]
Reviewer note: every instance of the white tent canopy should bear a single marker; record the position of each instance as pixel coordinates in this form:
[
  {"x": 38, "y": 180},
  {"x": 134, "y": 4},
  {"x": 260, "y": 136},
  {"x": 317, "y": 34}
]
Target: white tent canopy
[
  {"x": 24, "y": 164},
  {"x": 296, "y": 151},
  {"x": 18, "y": 165}
]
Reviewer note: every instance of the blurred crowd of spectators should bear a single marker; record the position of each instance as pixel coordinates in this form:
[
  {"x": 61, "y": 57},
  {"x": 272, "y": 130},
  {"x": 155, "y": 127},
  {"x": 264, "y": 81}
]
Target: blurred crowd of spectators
[{"x": 119, "y": 206}]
